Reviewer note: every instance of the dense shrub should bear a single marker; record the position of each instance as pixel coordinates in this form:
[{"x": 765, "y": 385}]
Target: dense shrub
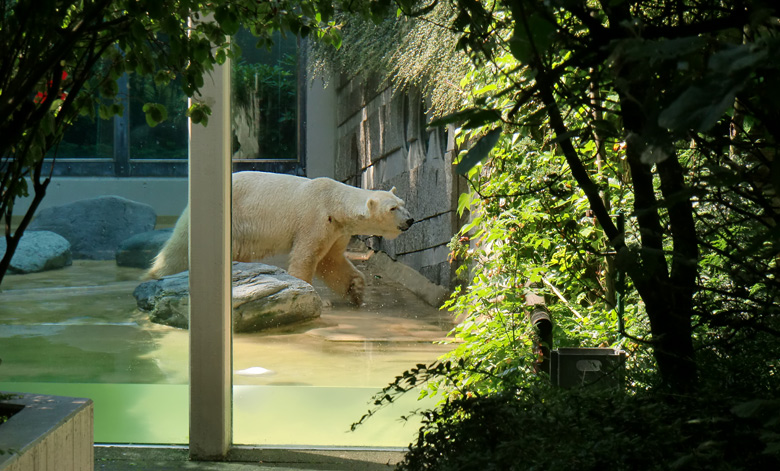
[{"x": 548, "y": 429}]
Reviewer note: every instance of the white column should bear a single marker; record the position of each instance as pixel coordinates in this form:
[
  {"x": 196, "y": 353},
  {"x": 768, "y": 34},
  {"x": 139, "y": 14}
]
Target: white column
[{"x": 210, "y": 274}]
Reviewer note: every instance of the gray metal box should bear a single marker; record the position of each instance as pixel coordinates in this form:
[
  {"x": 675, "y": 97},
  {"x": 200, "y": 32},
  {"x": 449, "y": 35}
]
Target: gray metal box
[{"x": 577, "y": 367}]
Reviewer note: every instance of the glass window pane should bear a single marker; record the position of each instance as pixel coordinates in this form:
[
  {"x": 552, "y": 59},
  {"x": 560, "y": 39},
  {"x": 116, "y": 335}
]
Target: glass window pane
[
  {"x": 77, "y": 330},
  {"x": 126, "y": 146},
  {"x": 305, "y": 384},
  {"x": 167, "y": 140},
  {"x": 88, "y": 138},
  {"x": 265, "y": 99}
]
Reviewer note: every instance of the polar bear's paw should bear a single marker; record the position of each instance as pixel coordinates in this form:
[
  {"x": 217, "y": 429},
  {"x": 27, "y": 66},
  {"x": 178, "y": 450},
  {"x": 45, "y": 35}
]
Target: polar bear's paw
[{"x": 355, "y": 291}]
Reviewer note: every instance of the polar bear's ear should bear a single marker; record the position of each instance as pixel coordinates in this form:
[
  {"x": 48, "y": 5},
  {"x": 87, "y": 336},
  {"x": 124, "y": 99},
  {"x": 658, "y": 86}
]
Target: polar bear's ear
[
  {"x": 371, "y": 206},
  {"x": 392, "y": 190}
]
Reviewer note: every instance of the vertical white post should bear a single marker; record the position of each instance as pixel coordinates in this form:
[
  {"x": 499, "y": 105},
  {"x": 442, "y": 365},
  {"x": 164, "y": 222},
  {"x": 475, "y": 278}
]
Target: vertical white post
[{"x": 210, "y": 275}]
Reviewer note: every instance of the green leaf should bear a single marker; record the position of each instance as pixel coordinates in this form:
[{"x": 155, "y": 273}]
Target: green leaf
[
  {"x": 334, "y": 37},
  {"x": 221, "y": 56},
  {"x": 199, "y": 113},
  {"x": 104, "y": 111},
  {"x": 706, "y": 102},
  {"x": 735, "y": 59},
  {"x": 156, "y": 10},
  {"x": 47, "y": 123},
  {"x": 201, "y": 51},
  {"x": 537, "y": 38},
  {"x": 21, "y": 189},
  {"x": 109, "y": 88},
  {"x": 117, "y": 109},
  {"x": 762, "y": 409},
  {"x": 170, "y": 24},
  {"x": 162, "y": 77},
  {"x": 227, "y": 19},
  {"x": 479, "y": 152},
  {"x": 697, "y": 108},
  {"x": 464, "y": 202},
  {"x": 155, "y": 113}
]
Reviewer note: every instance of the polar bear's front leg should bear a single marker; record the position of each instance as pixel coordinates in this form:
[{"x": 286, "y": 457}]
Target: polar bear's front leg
[
  {"x": 340, "y": 275},
  {"x": 302, "y": 266},
  {"x": 307, "y": 251}
]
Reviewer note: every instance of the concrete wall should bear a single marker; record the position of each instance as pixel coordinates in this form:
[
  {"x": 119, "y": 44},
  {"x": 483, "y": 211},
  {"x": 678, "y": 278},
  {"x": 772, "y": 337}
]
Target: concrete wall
[
  {"x": 382, "y": 141},
  {"x": 168, "y": 196}
]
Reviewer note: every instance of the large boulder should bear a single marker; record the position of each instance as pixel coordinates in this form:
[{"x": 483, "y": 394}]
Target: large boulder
[
  {"x": 139, "y": 250},
  {"x": 38, "y": 251},
  {"x": 95, "y": 227},
  {"x": 264, "y": 297}
]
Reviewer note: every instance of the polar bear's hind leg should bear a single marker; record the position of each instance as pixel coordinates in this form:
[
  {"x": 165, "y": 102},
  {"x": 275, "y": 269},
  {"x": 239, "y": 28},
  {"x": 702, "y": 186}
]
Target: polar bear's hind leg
[{"x": 174, "y": 255}]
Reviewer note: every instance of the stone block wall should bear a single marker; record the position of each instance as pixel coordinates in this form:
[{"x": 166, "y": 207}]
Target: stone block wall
[{"x": 383, "y": 142}]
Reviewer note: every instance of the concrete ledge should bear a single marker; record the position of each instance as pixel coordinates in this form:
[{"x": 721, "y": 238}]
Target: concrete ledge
[
  {"x": 246, "y": 458},
  {"x": 167, "y": 195},
  {"x": 50, "y": 433},
  {"x": 346, "y": 459},
  {"x": 411, "y": 279}
]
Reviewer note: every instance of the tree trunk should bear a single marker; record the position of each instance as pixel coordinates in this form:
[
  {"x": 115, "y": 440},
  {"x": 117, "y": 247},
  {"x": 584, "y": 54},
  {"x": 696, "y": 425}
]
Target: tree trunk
[
  {"x": 667, "y": 293},
  {"x": 12, "y": 238}
]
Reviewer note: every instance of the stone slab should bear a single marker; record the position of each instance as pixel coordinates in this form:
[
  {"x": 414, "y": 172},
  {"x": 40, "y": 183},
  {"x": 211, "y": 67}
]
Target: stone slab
[{"x": 50, "y": 433}]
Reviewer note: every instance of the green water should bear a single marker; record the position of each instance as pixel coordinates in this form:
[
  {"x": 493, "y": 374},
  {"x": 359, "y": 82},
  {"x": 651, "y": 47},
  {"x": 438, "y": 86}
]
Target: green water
[
  {"x": 263, "y": 415},
  {"x": 126, "y": 413},
  {"x": 77, "y": 332}
]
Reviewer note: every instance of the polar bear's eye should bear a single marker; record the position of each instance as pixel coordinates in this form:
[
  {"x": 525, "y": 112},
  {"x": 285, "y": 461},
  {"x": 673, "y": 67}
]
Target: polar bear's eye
[{"x": 393, "y": 208}]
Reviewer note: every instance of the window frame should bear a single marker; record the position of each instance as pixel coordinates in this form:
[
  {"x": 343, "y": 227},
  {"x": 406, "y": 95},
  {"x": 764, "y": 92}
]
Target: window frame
[{"x": 122, "y": 165}]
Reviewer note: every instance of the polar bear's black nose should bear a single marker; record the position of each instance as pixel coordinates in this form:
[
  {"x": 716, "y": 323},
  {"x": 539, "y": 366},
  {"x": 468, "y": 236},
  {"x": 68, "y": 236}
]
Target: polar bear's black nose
[
  {"x": 407, "y": 224},
  {"x": 410, "y": 221}
]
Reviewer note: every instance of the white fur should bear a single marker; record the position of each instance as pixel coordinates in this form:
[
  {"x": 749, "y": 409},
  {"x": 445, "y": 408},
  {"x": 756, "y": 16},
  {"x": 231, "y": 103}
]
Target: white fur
[{"x": 313, "y": 220}]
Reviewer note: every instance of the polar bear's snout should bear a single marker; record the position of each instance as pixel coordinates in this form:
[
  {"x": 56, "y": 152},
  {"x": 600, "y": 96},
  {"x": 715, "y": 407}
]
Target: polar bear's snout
[{"x": 404, "y": 226}]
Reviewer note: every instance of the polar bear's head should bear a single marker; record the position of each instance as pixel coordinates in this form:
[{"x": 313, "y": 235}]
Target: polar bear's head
[{"x": 387, "y": 214}]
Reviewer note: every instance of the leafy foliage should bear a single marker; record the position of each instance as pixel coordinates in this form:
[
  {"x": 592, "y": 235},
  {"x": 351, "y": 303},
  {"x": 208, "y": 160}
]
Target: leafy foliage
[
  {"x": 556, "y": 430},
  {"x": 618, "y": 94},
  {"x": 620, "y": 154},
  {"x": 398, "y": 50},
  {"x": 530, "y": 230}
]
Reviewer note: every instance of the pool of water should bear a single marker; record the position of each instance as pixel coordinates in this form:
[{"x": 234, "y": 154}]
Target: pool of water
[{"x": 76, "y": 332}]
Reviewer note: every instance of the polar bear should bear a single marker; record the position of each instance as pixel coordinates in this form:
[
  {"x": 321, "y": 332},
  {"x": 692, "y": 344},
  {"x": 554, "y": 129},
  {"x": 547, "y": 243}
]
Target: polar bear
[{"x": 311, "y": 219}]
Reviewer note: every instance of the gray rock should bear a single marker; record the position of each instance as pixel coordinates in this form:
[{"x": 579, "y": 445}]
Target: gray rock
[
  {"x": 38, "y": 251},
  {"x": 95, "y": 227},
  {"x": 167, "y": 300},
  {"x": 263, "y": 297},
  {"x": 139, "y": 250}
]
